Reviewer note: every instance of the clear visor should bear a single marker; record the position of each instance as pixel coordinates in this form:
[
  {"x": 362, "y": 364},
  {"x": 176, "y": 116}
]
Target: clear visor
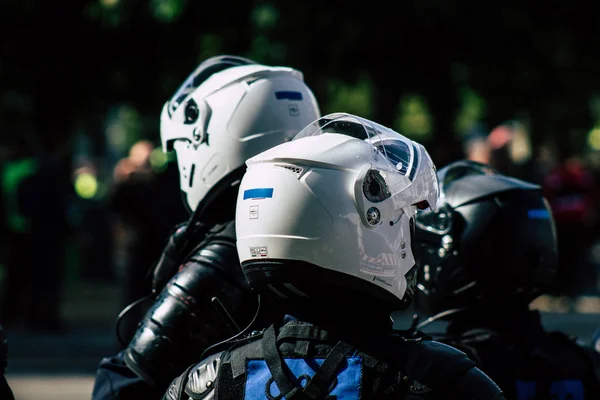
[
  {"x": 201, "y": 74},
  {"x": 391, "y": 151},
  {"x": 188, "y": 86}
]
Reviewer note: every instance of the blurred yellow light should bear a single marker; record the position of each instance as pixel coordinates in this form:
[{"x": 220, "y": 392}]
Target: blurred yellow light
[
  {"x": 109, "y": 3},
  {"x": 594, "y": 139},
  {"x": 86, "y": 185}
]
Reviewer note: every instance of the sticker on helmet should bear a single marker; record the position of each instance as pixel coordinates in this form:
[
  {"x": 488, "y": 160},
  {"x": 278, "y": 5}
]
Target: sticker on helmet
[
  {"x": 259, "y": 252},
  {"x": 288, "y": 95},
  {"x": 254, "y": 212},
  {"x": 258, "y": 194},
  {"x": 378, "y": 279},
  {"x": 294, "y": 110}
]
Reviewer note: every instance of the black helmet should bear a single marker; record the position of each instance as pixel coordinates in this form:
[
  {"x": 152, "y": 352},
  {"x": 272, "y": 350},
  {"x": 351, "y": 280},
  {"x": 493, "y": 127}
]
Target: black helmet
[{"x": 491, "y": 240}]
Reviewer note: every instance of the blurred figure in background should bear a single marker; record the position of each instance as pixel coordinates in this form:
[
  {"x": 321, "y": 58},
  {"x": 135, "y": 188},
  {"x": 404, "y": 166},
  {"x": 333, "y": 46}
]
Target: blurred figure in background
[
  {"x": 573, "y": 194},
  {"x": 88, "y": 216},
  {"x": 511, "y": 150},
  {"x": 477, "y": 148},
  {"x": 45, "y": 197},
  {"x": 145, "y": 206},
  {"x": 18, "y": 165},
  {"x": 35, "y": 185}
]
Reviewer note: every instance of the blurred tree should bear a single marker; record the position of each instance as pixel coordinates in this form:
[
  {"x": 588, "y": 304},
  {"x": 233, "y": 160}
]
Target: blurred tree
[{"x": 518, "y": 57}]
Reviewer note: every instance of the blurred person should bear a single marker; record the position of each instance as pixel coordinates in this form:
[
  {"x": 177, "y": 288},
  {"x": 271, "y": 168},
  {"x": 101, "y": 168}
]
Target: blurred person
[
  {"x": 338, "y": 262},
  {"x": 18, "y": 165},
  {"x": 229, "y": 109},
  {"x": 545, "y": 160},
  {"x": 511, "y": 152},
  {"x": 486, "y": 253},
  {"x": 35, "y": 190},
  {"x": 475, "y": 144},
  {"x": 45, "y": 203},
  {"x": 573, "y": 193},
  {"x": 477, "y": 148},
  {"x": 145, "y": 206},
  {"x": 89, "y": 218}
]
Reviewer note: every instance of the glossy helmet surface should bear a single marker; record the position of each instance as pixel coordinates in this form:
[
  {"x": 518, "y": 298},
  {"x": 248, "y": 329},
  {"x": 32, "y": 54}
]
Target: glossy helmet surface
[
  {"x": 228, "y": 110},
  {"x": 335, "y": 207},
  {"x": 491, "y": 240}
]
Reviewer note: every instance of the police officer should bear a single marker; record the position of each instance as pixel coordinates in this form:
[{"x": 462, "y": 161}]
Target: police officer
[
  {"x": 486, "y": 253},
  {"x": 228, "y": 110},
  {"x": 325, "y": 224}
]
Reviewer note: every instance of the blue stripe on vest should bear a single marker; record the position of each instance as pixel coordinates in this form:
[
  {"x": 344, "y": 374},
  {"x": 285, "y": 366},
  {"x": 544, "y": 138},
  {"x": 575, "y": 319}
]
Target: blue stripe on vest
[
  {"x": 288, "y": 95},
  {"x": 261, "y": 193},
  {"x": 538, "y": 214},
  {"x": 260, "y": 385},
  {"x": 568, "y": 389}
]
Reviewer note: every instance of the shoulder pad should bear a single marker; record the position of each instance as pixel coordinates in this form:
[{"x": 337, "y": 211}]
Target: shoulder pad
[
  {"x": 225, "y": 230},
  {"x": 197, "y": 382},
  {"x": 436, "y": 364},
  {"x": 201, "y": 379}
]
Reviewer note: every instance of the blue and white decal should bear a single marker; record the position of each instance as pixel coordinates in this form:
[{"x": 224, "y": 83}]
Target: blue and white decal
[{"x": 258, "y": 193}]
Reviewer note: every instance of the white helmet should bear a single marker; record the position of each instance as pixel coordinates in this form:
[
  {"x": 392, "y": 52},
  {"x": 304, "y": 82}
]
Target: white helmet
[
  {"x": 228, "y": 110},
  {"x": 336, "y": 205}
]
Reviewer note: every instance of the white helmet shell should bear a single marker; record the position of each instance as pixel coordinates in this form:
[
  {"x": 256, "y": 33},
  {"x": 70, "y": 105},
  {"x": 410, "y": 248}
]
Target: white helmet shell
[
  {"x": 233, "y": 115},
  {"x": 341, "y": 196}
]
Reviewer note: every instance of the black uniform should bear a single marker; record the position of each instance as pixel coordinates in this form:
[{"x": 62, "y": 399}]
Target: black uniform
[
  {"x": 188, "y": 315},
  {"x": 487, "y": 252},
  {"x": 523, "y": 359},
  {"x": 299, "y": 360}
]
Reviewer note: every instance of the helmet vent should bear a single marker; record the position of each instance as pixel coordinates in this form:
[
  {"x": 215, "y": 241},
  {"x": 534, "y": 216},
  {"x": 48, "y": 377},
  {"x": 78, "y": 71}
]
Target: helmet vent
[{"x": 294, "y": 169}]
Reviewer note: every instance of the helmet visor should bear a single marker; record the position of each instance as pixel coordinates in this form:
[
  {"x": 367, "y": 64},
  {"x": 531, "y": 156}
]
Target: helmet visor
[{"x": 391, "y": 153}]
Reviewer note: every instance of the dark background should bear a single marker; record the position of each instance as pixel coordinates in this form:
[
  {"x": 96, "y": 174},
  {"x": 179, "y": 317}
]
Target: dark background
[{"x": 88, "y": 199}]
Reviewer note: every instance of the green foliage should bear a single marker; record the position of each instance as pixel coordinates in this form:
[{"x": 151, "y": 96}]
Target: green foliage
[
  {"x": 166, "y": 10},
  {"x": 108, "y": 12},
  {"x": 507, "y": 60},
  {"x": 265, "y": 16},
  {"x": 210, "y": 45},
  {"x": 472, "y": 110},
  {"x": 355, "y": 98},
  {"x": 414, "y": 118},
  {"x": 267, "y": 51}
]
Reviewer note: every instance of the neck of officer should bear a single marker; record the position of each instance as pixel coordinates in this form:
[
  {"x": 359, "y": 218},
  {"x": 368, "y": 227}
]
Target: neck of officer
[{"x": 340, "y": 319}]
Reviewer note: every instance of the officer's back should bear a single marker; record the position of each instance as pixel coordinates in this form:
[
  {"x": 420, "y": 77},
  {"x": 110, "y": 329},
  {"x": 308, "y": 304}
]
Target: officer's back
[{"x": 487, "y": 252}]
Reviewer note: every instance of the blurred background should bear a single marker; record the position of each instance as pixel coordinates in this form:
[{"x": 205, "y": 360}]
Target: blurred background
[{"x": 88, "y": 197}]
